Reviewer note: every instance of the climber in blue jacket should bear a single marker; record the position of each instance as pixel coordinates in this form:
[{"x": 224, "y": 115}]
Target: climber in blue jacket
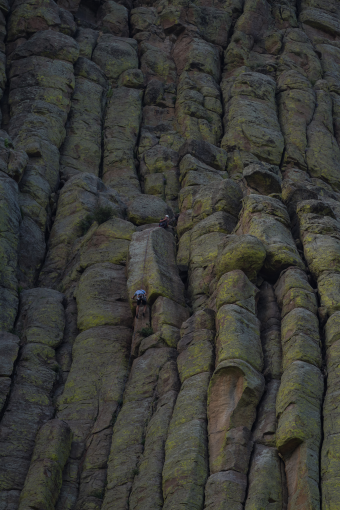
[{"x": 141, "y": 300}]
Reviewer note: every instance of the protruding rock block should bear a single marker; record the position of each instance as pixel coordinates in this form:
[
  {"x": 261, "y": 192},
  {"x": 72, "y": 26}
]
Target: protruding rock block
[
  {"x": 188, "y": 50},
  {"x": 152, "y": 266},
  {"x": 244, "y": 252},
  {"x": 114, "y": 18},
  {"x": 298, "y": 407},
  {"x": 234, "y": 288},
  {"x": 27, "y": 19},
  {"x": 267, "y": 219},
  {"x": 262, "y": 179},
  {"x": 50, "y": 44},
  {"x": 294, "y": 291},
  {"x": 193, "y": 172},
  {"x": 109, "y": 242},
  {"x": 147, "y": 209},
  {"x": 234, "y": 393},
  {"x": 208, "y": 153},
  {"x": 300, "y": 338},
  {"x": 44, "y": 477},
  {"x": 219, "y": 196},
  {"x": 114, "y": 55},
  {"x": 238, "y": 336}
]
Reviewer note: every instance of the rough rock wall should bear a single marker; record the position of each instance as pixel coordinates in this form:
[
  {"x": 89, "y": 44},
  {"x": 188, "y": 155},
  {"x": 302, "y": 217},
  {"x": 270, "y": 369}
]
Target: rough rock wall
[{"x": 226, "y": 117}]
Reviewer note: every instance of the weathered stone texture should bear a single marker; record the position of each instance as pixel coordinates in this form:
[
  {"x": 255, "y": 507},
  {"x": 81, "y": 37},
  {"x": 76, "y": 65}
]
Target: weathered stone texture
[
  {"x": 40, "y": 328},
  {"x": 225, "y": 116},
  {"x": 186, "y": 450},
  {"x": 43, "y": 480}
]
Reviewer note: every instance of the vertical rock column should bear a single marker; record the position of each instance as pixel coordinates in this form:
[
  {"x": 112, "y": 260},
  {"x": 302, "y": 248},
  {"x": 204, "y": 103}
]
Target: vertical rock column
[
  {"x": 81, "y": 196},
  {"x": 9, "y": 245},
  {"x": 267, "y": 481},
  {"x": 9, "y": 346},
  {"x": 318, "y": 230},
  {"x": 159, "y": 141},
  {"x": 234, "y": 392},
  {"x": 202, "y": 165},
  {"x": 40, "y": 328},
  {"x": 118, "y": 58},
  {"x": 43, "y": 480},
  {"x": 41, "y": 82},
  {"x": 12, "y": 165},
  {"x": 137, "y": 452},
  {"x": 94, "y": 363},
  {"x": 186, "y": 450},
  {"x": 208, "y": 213},
  {"x": 323, "y": 152},
  {"x": 81, "y": 150},
  {"x": 298, "y": 404}
]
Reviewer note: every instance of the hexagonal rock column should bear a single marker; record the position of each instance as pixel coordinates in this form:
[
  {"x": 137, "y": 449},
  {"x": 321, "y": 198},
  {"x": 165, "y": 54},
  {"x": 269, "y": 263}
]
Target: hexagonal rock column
[
  {"x": 234, "y": 391},
  {"x": 44, "y": 477},
  {"x": 299, "y": 399},
  {"x": 185, "y": 468}
]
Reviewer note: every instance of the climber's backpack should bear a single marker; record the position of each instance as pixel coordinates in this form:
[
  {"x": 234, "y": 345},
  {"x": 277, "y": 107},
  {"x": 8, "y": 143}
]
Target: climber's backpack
[{"x": 163, "y": 224}]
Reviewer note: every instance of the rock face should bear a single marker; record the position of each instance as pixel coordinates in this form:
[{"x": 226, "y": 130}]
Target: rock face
[{"x": 223, "y": 394}]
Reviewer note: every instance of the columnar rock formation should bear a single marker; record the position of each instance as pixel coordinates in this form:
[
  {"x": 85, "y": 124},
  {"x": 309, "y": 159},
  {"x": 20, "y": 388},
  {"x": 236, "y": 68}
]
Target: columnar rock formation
[{"x": 226, "y": 117}]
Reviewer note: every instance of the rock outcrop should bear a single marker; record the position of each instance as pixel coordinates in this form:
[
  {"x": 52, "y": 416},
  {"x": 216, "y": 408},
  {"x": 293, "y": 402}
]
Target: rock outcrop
[{"x": 223, "y": 391}]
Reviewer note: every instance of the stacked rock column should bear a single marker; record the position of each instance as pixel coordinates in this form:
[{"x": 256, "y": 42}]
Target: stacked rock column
[
  {"x": 137, "y": 452},
  {"x": 186, "y": 465},
  {"x": 299, "y": 399},
  {"x": 94, "y": 363},
  {"x": 234, "y": 392}
]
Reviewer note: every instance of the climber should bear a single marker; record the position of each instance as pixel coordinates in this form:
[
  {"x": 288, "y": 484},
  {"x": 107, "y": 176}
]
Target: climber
[
  {"x": 141, "y": 300},
  {"x": 164, "y": 222}
]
